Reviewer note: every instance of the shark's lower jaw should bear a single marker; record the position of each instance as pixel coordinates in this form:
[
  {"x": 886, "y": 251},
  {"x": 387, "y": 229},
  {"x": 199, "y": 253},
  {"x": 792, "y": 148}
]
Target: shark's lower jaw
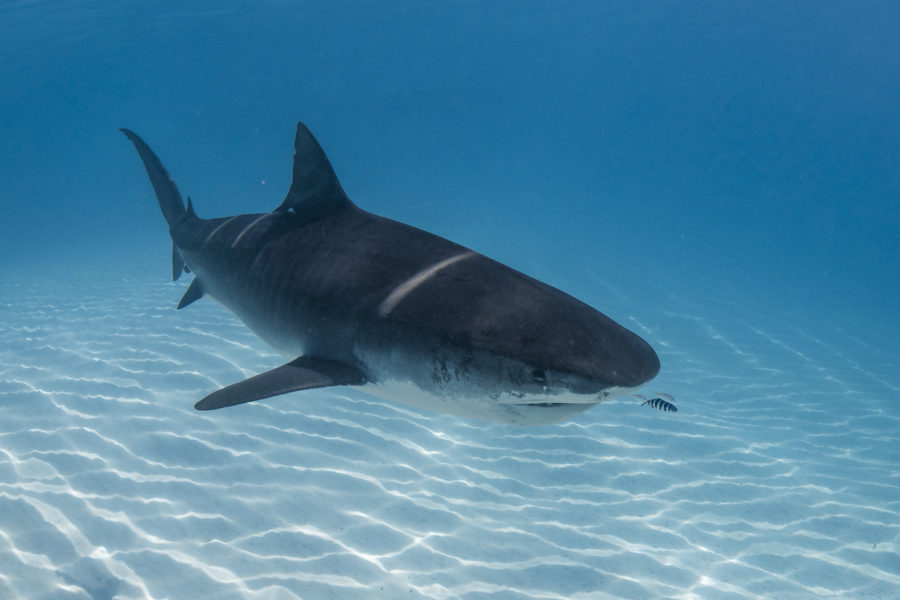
[
  {"x": 538, "y": 411},
  {"x": 543, "y": 413},
  {"x": 511, "y": 411}
]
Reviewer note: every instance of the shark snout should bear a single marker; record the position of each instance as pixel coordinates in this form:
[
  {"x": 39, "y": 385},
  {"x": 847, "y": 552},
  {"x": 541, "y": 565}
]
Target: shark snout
[
  {"x": 614, "y": 359},
  {"x": 638, "y": 365}
]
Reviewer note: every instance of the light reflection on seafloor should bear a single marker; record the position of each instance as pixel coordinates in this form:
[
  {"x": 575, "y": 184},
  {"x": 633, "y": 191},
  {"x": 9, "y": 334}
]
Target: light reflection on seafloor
[{"x": 774, "y": 479}]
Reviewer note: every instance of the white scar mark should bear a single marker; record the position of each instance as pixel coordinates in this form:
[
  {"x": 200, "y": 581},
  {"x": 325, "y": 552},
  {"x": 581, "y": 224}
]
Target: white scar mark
[
  {"x": 248, "y": 228},
  {"x": 216, "y": 230},
  {"x": 401, "y": 291}
]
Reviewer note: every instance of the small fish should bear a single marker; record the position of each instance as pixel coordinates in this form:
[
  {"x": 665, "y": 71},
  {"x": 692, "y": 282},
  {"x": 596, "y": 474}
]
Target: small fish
[{"x": 659, "y": 403}]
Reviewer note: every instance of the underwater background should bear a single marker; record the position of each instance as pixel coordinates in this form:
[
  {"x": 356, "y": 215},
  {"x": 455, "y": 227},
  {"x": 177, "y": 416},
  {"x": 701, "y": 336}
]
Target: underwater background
[{"x": 723, "y": 178}]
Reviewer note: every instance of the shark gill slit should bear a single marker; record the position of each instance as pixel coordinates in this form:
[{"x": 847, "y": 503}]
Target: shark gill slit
[{"x": 403, "y": 290}]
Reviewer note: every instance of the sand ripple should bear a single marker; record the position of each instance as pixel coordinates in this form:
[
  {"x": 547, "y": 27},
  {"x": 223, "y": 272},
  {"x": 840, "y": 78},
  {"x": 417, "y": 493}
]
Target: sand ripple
[{"x": 777, "y": 477}]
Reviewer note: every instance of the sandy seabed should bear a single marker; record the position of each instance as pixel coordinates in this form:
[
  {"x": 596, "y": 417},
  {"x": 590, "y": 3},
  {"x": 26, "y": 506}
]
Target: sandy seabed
[{"x": 779, "y": 476}]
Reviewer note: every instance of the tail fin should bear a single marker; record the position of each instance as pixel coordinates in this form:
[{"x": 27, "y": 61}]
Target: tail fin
[{"x": 166, "y": 192}]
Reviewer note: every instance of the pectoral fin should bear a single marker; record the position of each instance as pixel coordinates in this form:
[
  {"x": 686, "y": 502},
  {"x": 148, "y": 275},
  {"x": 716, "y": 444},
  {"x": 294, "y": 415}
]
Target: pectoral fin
[{"x": 303, "y": 373}]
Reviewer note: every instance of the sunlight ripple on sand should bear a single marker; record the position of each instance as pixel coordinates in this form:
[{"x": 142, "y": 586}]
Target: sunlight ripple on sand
[{"x": 776, "y": 478}]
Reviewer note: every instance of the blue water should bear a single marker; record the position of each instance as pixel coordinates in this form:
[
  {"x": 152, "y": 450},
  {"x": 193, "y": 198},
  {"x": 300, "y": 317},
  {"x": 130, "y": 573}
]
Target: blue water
[{"x": 722, "y": 178}]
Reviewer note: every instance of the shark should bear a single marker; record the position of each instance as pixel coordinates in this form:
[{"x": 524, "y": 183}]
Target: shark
[{"x": 351, "y": 298}]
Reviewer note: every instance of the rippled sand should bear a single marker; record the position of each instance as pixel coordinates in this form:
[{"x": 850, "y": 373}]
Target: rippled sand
[{"x": 779, "y": 476}]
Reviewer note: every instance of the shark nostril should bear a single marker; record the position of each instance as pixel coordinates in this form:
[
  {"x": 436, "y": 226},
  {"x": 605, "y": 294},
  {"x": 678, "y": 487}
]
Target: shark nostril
[{"x": 539, "y": 376}]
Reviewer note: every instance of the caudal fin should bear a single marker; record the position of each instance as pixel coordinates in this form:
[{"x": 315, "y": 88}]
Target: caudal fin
[{"x": 166, "y": 192}]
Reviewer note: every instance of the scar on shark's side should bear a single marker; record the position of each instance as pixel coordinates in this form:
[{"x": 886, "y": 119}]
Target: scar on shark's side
[{"x": 352, "y": 298}]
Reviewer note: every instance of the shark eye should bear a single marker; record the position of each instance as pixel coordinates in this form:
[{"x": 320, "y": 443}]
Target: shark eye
[{"x": 539, "y": 376}]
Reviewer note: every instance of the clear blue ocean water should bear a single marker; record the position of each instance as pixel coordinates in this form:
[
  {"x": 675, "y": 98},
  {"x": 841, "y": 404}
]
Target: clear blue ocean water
[{"x": 721, "y": 177}]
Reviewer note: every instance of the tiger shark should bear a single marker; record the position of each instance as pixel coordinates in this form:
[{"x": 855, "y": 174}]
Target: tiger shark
[{"x": 355, "y": 299}]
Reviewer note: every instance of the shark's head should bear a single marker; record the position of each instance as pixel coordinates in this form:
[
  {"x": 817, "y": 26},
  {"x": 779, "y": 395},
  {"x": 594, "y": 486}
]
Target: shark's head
[{"x": 516, "y": 351}]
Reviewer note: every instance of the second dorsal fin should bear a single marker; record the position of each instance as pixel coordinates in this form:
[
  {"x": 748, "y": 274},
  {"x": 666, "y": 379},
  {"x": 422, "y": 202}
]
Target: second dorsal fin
[{"x": 315, "y": 190}]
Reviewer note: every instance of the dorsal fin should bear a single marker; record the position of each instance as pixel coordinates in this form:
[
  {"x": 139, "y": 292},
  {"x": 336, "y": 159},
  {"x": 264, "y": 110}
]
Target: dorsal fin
[{"x": 315, "y": 191}]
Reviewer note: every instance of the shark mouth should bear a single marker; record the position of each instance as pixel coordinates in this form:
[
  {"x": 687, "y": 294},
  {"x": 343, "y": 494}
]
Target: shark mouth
[{"x": 555, "y": 404}]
